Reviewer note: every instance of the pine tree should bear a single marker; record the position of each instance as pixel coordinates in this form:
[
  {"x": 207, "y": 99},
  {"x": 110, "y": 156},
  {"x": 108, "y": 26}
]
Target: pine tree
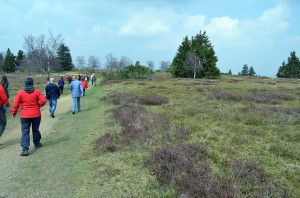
[
  {"x": 251, "y": 72},
  {"x": 19, "y": 59},
  {"x": 291, "y": 69},
  {"x": 177, "y": 68},
  {"x": 9, "y": 62},
  {"x": 201, "y": 47},
  {"x": 64, "y": 57},
  {"x": 245, "y": 71}
]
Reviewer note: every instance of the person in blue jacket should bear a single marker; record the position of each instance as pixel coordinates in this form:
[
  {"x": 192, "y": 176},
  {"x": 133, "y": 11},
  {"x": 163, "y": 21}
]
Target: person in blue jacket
[
  {"x": 77, "y": 92},
  {"x": 52, "y": 94}
]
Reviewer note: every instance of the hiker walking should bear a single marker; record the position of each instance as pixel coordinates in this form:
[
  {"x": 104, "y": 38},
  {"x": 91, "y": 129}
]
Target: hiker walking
[
  {"x": 84, "y": 85},
  {"x": 3, "y": 102},
  {"x": 77, "y": 92},
  {"x": 52, "y": 94},
  {"x": 93, "y": 79},
  {"x": 61, "y": 84},
  {"x": 4, "y": 83},
  {"x": 30, "y": 100}
]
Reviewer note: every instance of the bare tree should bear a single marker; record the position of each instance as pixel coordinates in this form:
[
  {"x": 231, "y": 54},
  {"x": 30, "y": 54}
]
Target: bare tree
[
  {"x": 164, "y": 65},
  {"x": 80, "y": 60},
  {"x": 193, "y": 62},
  {"x": 112, "y": 63},
  {"x": 93, "y": 63},
  {"x": 42, "y": 51},
  {"x": 124, "y": 62},
  {"x": 150, "y": 64}
]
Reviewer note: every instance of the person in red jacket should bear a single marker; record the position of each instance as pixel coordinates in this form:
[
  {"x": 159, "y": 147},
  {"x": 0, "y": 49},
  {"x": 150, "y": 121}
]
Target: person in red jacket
[
  {"x": 3, "y": 101},
  {"x": 31, "y": 100},
  {"x": 84, "y": 85}
]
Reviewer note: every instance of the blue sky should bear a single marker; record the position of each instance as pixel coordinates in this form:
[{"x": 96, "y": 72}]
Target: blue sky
[{"x": 259, "y": 33}]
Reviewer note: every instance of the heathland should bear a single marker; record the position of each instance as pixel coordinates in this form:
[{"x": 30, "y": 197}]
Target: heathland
[{"x": 162, "y": 137}]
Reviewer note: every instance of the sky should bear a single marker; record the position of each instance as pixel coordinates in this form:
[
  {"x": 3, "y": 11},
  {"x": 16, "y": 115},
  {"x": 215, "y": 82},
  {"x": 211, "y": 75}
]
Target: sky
[{"x": 259, "y": 33}]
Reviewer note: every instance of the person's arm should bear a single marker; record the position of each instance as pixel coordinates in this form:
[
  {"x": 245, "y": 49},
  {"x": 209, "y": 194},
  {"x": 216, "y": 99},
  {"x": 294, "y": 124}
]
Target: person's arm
[
  {"x": 4, "y": 97},
  {"x": 16, "y": 104},
  {"x": 42, "y": 98}
]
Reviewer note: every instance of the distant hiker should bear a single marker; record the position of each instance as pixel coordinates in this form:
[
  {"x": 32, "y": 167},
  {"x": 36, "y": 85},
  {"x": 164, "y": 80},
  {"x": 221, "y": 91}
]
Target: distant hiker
[
  {"x": 86, "y": 78},
  {"x": 52, "y": 94},
  {"x": 47, "y": 79},
  {"x": 77, "y": 92},
  {"x": 84, "y": 85},
  {"x": 4, "y": 83},
  {"x": 93, "y": 79},
  {"x": 61, "y": 84},
  {"x": 31, "y": 100},
  {"x": 3, "y": 101},
  {"x": 69, "y": 78}
]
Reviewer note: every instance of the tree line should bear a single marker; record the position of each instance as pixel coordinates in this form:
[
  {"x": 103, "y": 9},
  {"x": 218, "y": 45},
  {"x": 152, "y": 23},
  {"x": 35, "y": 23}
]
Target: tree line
[{"x": 195, "y": 58}]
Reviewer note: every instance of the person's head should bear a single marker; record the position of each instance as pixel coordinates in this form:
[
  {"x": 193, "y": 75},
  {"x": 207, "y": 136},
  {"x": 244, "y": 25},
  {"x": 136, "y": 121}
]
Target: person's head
[
  {"x": 4, "y": 78},
  {"x": 28, "y": 81},
  {"x": 51, "y": 80},
  {"x": 74, "y": 77}
]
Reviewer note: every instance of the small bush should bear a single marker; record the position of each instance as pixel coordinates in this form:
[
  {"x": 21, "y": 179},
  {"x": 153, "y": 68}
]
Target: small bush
[
  {"x": 153, "y": 100},
  {"x": 172, "y": 161},
  {"x": 118, "y": 98},
  {"x": 201, "y": 183}
]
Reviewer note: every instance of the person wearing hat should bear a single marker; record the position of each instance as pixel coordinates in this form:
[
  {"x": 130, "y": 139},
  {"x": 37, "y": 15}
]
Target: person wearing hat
[{"x": 31, "y": 100}]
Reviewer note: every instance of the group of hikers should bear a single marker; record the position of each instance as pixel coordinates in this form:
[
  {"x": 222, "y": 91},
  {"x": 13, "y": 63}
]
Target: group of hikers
[{"x": 32, "y": 99}]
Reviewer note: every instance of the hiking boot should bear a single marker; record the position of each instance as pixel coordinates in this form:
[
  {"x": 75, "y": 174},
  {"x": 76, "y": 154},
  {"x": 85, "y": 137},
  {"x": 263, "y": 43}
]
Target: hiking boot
[
  {"x": 39, "y": 145},
  {"x": 24, "y": 153},
  {"x": 52, "y": 116},
  {"x": 73, "y": 112}
]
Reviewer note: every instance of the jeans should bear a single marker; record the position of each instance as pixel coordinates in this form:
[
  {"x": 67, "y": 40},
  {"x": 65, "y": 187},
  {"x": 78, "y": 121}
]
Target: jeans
[
  {"x": 52, "y": 105},
  {"x": 2, "y": 120},
  {"x": 25, "y": 129},
  {"x": 76, "y": 101}
]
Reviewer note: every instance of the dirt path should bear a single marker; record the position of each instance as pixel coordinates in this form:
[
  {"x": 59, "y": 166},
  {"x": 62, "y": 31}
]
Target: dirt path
[{"x": 10, "y": 141}]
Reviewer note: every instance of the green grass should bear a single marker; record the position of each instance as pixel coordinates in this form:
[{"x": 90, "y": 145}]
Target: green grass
[{"x": 262, "y": 133}]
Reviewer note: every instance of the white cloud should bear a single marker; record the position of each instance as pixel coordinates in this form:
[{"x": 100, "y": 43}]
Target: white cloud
[
  {"x": 147, "y": 22},
  {"x": 274, "y": 19},
  {"x": 194, "y": 23}
]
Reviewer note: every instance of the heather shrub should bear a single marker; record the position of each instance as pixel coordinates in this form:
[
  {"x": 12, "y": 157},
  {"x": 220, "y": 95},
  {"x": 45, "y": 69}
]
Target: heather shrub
[
  {"x": 118, "y": 98},
  {"x": 202, "y": 183},
  {"x": 253, "y": 181},
  {"x": 170, "y": 162},
  {"x": 107, "y": 142},
  {"x": 271, "y": 98},
  {"x": 153, "y": 100}
]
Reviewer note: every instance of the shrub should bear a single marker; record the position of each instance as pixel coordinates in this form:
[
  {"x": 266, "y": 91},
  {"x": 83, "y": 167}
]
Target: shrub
[
  {"x": 118, "y": 98},
  {"x": 172, "y": 161},
  {"x": 201, "y": 183},
  {"x": 153, "y": 100}
]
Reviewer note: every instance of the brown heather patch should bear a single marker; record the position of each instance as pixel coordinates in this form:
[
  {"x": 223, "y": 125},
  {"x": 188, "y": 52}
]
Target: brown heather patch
[
  {"x": 170, "y": 162},
  {"x": 153, "y": 100},
  {"x": 157, "y": 87},
  {"x": 118, "y": 98},
  {"x": 272, "y": 98},
  {"x": 202, "y": 183},
  {"x": 109, "y": 82},
  {"x": 248, "y": 174}
]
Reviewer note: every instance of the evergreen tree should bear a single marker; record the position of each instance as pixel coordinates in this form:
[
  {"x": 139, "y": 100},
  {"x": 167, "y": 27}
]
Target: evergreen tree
[
  {"x": 203, "y": 50},
  {"x": 64, "y": 57},
  {"x": 251, "y": 72},
  {"x": 9, "y": 62},
  {"x": 245, "y": 71},
  {"x": 177, "y": 68},
  {"x": 19, "y": 59},
  {"x": 291, "y": 69},
  {"x": 1, "y": 60},
  {"x": 230, "y": 73}
]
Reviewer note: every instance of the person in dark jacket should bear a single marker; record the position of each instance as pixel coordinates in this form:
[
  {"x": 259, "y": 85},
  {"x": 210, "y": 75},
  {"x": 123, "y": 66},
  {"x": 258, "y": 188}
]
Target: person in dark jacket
[
  {"x": 52, "y": 94},
  {"x": 3, "y": 101},
  {"x": 30, "y": 100},
  {"x": 61, "y": 84}
]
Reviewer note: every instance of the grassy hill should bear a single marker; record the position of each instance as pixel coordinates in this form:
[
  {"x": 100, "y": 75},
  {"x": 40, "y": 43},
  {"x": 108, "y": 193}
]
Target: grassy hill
[{"x": 165, "y": 137}]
